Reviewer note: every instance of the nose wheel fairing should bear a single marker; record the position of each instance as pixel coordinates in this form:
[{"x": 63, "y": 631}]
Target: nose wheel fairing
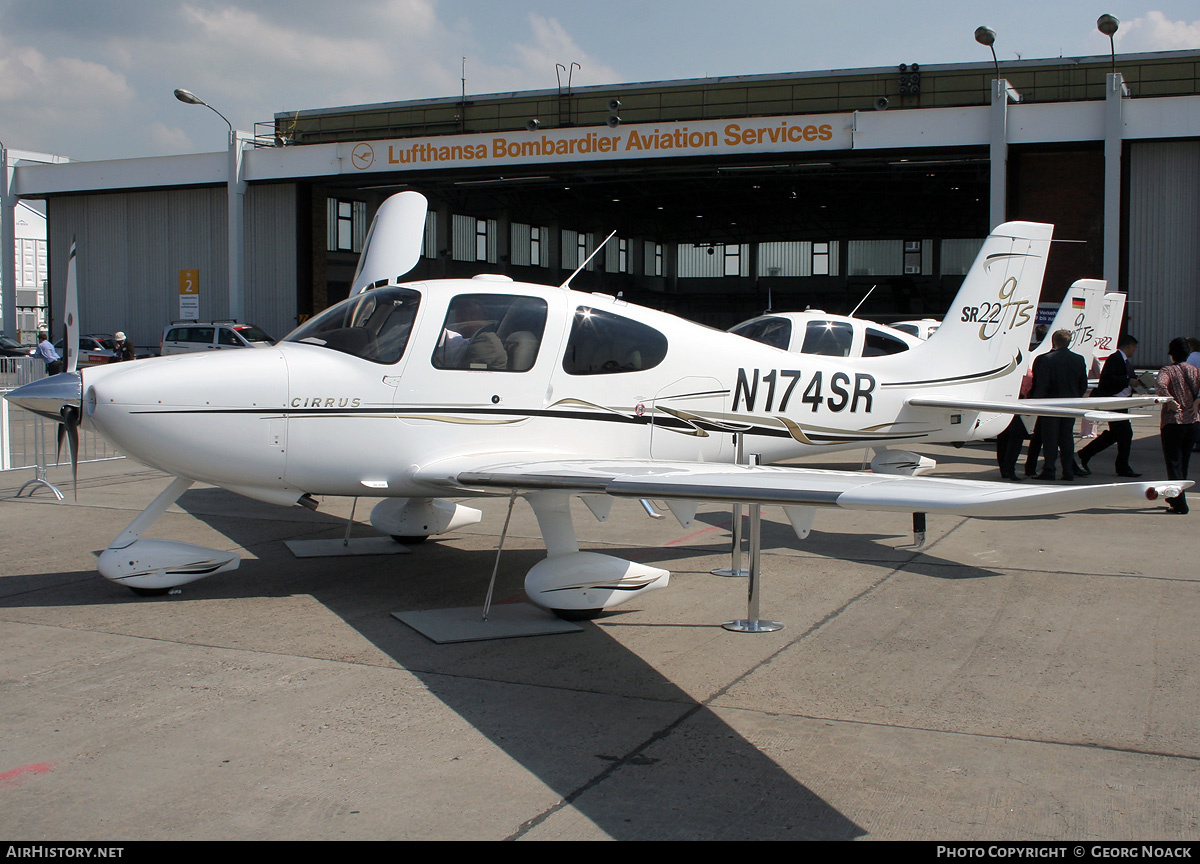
[{"x": 149, "y": 566}]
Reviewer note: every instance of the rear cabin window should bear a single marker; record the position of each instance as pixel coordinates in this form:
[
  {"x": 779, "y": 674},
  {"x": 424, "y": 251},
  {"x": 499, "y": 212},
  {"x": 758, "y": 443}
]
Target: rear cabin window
[
  {"x": 605, "y": 344},
  {"x": 878, "y": 344},
  {"x": 491, "y": 332},
  {"x": 776, "y": 332},
  {"x": 829, "y": 338}
]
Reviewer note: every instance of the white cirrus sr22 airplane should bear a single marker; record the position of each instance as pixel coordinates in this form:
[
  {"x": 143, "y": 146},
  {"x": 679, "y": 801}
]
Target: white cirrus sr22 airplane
[{"x": 415, "y": 392}]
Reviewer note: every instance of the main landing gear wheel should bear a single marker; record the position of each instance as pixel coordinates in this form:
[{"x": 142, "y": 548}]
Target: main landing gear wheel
[
  {"x": 410, "y": 541},
  {"x": 149, "y": 592},
  {"x": 578, "y": 614}
]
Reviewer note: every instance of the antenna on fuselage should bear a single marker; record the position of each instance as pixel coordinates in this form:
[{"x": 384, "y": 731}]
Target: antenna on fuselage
[
  {"x": 864, "y": 300},
  {"x": 566, "y": 285}
]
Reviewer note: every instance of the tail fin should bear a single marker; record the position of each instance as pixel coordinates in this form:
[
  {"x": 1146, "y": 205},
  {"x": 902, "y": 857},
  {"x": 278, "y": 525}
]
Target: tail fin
[
  {"x": 985, "y": 335},
  {"x": 1108, "y": 330},
  {"x": 1080, "y": 313}
]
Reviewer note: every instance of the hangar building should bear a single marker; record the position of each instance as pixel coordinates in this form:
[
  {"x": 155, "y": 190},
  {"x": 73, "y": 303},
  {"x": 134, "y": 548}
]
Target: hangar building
[{"x": 726, "y": 195}]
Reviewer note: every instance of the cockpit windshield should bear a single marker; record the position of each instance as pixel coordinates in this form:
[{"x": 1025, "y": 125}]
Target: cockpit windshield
[{"x": 374, "y": 325}]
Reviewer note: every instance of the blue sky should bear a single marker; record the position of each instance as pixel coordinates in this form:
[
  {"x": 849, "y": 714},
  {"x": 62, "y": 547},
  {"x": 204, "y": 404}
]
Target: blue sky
[{"x": 94, "y": 80}]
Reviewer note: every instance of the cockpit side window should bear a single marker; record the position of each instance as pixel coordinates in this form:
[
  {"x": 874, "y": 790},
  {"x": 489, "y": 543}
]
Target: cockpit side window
[
  {"x": 830, "y": 338},
  {"x": 776, "y": 332},
  {"x": 496, "y": 332},
  {"x": 374, "y": 325},
  {"x": 604, "y": 344}
]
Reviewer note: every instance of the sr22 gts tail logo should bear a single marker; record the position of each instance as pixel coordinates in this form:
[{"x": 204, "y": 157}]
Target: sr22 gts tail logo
[{"x": 992, "y": 316}]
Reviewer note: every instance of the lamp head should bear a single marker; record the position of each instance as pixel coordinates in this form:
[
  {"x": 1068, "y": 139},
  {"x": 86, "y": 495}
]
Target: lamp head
[
  {"x": 1107, "y": 24},
  {"x": 985, "y": 36}
]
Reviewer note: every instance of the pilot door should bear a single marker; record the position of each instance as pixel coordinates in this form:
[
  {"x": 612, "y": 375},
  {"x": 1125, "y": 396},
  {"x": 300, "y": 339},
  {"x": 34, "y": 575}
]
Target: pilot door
[{"x": 484, "y": 364}]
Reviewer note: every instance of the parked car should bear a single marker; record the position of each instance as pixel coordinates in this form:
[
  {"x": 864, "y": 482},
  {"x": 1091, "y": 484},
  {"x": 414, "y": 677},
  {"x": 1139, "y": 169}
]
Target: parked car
[
  {"x": 92, "y": 350},
  {"x": 10, "y": 347},
  {"x": 184, "y": 336},
  {"x": 109, "y": 341}
]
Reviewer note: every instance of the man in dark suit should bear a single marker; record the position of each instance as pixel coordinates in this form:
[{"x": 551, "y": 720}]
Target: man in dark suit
[
  {"x": 1059, "y": 374},
  {"x": 1116, "y": 379}
]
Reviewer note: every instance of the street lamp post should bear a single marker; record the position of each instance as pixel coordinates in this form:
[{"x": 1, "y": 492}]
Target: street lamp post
[
  {"x": 8, "y": 251},
  {"x": 1002, "y": 94},
  {"x": 1114, "y": 139},
  {"x": 236, "y": 208},
  {"x": 1108, "y": 24}
]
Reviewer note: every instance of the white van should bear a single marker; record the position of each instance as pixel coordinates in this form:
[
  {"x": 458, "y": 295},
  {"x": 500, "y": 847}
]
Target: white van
[{"x": 184, "y": 336}]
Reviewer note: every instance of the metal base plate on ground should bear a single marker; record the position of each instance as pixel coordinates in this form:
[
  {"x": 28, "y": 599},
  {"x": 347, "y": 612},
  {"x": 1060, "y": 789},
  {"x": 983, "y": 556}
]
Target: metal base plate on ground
[
  {"x": 466, "y": 624},
  {"x": 337, "y": 547},
  {"x": 752, "y": 625}
]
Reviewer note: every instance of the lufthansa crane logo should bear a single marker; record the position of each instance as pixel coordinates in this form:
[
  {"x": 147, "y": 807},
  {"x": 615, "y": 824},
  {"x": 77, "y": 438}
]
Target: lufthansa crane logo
[{"x": 363, "y": 156}]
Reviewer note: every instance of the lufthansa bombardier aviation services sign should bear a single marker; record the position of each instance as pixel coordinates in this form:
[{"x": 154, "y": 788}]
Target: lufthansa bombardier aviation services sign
[{"x": 597, "y": 144}]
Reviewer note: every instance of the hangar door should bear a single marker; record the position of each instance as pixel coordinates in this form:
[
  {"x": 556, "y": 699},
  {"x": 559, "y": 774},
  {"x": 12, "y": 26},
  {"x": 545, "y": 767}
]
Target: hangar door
[{"x": 1164, "y": 257}]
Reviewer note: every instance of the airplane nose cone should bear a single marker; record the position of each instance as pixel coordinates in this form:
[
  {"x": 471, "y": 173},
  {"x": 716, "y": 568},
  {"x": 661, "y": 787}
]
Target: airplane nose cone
[
  {"x": 215, "y": 417},
  {"x": 47, "y": 396}
]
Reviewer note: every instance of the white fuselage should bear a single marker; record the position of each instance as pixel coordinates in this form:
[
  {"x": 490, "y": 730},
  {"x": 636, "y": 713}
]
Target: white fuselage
[{"x": 298, "y": 418}]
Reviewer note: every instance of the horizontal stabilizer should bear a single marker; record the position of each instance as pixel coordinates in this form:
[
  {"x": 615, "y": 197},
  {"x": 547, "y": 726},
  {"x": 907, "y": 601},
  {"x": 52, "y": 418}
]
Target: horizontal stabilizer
[{"x": 1102, "y": 409}]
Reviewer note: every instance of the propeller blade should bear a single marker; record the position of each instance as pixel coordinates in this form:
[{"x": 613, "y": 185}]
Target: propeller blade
[
  {"x": 71, "y": 313},
  {"x": 71, "y": 424}
]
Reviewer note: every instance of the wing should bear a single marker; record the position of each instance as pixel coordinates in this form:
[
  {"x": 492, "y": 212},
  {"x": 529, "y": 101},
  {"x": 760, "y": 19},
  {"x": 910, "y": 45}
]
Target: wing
[
  {"x": 1101, "y": 409},
  {"x": 852, "y": 490}
]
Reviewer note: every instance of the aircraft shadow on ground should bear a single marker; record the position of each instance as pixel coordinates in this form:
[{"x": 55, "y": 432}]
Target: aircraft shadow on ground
[
  {"x": 616, "y": 740},
  {"x": 840, "y": 546}
]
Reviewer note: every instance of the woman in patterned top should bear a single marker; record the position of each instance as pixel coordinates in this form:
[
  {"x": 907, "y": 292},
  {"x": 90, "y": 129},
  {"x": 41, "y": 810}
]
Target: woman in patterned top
[{"x": 1181, "y": 382}]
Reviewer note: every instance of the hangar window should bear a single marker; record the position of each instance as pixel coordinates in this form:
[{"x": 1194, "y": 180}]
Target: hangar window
[
  {"x": 653, "y": 259},
  {"x": 347, "y": 225},
  {"x": 712, "y": 260},
  {"x": 473, "y": 239},
  {"x": 605, "y": 344},
  {"x": 820, "y": 259},
  {"x": 616, "y": 256},
  {"x": 374, "y": 325},
  {"x": 525, "y": 245},
  {"x": 958, "y": 255},
  {"x": 876, "y": 257},
  {"x": 429, "y": 249},
  {"x": 576, "y": 246},
  {"x": 496, "y": 332},
  {"x": 798, "y": 258}
]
